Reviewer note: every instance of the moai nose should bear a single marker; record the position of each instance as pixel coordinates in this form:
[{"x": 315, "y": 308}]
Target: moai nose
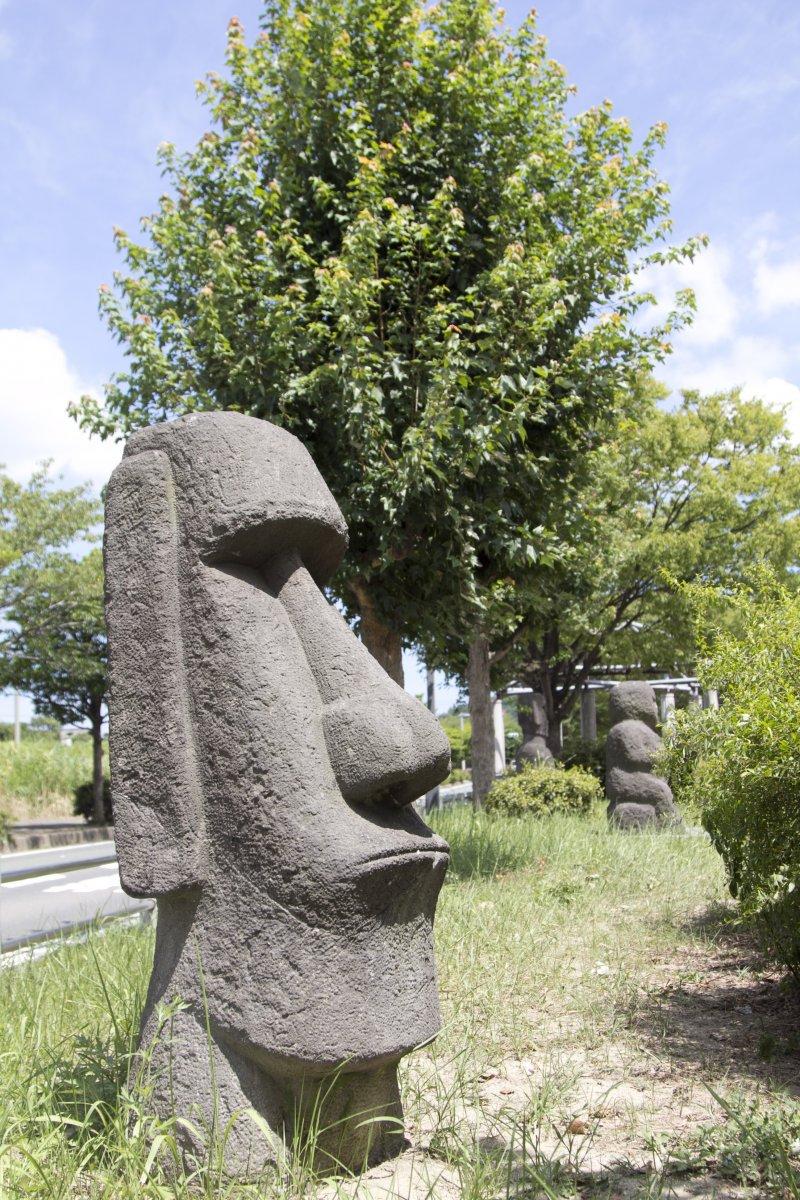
[{"x": 385, "y": 747}]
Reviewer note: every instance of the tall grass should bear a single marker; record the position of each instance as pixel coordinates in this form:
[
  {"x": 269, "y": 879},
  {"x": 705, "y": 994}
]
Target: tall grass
[
  {"x": 530, "y": 910},
  {"x": 39, "y": 776}
]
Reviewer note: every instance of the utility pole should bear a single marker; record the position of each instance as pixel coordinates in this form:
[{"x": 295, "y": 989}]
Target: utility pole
[
  {"x": 433, "y": 798},
  {"x": 499, "y": 738},
  {"x": 17, "y": 726}
]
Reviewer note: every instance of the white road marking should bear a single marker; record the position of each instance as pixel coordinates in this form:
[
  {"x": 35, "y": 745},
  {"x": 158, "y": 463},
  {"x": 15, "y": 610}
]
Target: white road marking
[
  {"x": 14, "y": 883},
  {"x": 82, "y": 886},
  {"x": 14, "y": 854}
]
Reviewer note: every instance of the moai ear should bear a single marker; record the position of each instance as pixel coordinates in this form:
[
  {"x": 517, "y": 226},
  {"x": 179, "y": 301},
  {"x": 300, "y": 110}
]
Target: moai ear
[{"x": 155, "y": 784}]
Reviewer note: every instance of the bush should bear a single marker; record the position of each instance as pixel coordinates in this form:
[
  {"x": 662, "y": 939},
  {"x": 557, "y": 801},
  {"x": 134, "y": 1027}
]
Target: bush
[
  {"x": 460, "y": 738},
  {"x": 84, "y": 801},
  {"x": 38, "y": 778},
  {"x": 458, "y": 776},
  {"x": 741, "y": 764},
  {"x": 589, "y": 757},
  {"x": 539, "y": 790}
]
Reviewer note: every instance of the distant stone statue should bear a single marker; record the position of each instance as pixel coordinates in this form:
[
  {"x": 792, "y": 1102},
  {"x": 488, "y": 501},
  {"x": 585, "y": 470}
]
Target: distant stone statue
[
  {"x": 636, "y": 796},
  {"x": 533, "y": 723},
  {"x": 263, "y": 767}
]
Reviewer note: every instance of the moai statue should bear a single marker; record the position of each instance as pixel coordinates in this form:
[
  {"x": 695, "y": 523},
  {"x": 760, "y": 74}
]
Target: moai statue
[
  {"x": 533, "y": 723},
  {"x": 263, "y": 768},
  {"x": 636, "y": 796}
]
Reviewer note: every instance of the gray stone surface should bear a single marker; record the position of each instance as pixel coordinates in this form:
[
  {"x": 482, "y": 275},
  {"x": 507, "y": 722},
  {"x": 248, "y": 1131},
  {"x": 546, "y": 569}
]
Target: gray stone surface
[
  {"x": 632, "y": 745},
  {"x": 262, "y": 768},
  {"x": 533, "y": 723},
  {"x": 535, "y": 750},
  {"x": 636, "y": 797},
  {"x": 634, "y": 701},
  {"x": 633, "y": 816}
]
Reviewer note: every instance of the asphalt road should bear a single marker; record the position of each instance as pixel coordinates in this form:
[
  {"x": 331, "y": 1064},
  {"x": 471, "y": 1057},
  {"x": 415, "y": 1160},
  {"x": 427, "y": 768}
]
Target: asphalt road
[
  {"x": 23, "y": 863},
  {"x": 47, "y": 892},
  {"x": 44, "y": 905}
]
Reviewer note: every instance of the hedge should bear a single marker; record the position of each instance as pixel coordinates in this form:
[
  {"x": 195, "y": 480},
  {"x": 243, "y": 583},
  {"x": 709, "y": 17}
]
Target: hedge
[
  {"x": 539, "y": 790},
  {"x": 741, "y": 763}
]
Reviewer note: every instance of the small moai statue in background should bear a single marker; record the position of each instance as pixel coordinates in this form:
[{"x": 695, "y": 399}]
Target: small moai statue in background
[
  {"x": 636, "y": 797},
  {"x": 533, "y": 723}
]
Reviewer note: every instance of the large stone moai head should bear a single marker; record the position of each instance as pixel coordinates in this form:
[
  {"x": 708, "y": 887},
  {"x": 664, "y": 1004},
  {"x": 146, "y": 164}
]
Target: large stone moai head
[
  {"x": 263, "y": 766},
  {"x": 636, "y": 796}
]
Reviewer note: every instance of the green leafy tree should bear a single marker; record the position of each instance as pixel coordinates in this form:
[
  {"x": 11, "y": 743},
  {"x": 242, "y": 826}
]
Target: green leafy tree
[
  {"x": 697, "y": 493},
  {"x": 62, "y": 665},
  {"x": 397, "y": 242},
  {"x": 36, "y": 519}
]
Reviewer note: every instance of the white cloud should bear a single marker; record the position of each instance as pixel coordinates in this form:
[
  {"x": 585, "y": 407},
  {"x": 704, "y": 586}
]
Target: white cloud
[
  {"x": 777, "y": 284},
  {"x": 708, "y": 276},
  {"x": 779, "y": 393},
  {"x": 747, "y": 360},
  {"x": 36, "y": 385}
]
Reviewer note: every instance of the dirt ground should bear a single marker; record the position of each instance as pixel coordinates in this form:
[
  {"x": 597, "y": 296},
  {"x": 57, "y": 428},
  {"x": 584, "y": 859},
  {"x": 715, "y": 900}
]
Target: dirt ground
[{"x": 630, "y": 1111}]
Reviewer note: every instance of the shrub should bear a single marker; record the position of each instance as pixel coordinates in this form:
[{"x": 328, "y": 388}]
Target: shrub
[
  {"x": 741, "y": 764},
  {"x": 84, "y": 801},
  {"x": 460, "y": 738},
  {"x": 591, "y": 758},
  {"x": 539, "y": 790},
  {"x": 38, "y": 778}
]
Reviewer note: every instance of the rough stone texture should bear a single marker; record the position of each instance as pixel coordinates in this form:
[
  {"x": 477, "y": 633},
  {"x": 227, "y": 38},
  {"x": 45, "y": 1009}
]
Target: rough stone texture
[
  {"x": 636, "y": 796},
  {"x": 535, "y": 750},
  {"x": 633, "y": 745},
  {"x": 635, "y": 701},
  {"x": 533, "y": 723},
  {"x": 262, "y": 769}
]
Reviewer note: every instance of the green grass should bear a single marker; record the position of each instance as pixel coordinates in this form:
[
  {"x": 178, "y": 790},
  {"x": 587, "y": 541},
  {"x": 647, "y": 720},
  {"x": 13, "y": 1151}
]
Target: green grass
[
  {"x": 547, "y": 934},
  {"x": 38, "y": 777}
]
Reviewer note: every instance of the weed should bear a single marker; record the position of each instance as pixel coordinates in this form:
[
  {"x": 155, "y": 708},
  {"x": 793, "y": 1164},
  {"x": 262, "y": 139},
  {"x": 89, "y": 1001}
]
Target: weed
[{"x": 545, "y": 933}]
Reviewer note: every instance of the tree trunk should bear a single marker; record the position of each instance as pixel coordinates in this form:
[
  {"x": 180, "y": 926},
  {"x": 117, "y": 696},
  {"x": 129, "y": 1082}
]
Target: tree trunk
[
  {"x": 480, "y": 712},
  {"x": 98, "y": 804},
  {"x": 383, "y": 642},
  {"x": 552, "y": 714}
]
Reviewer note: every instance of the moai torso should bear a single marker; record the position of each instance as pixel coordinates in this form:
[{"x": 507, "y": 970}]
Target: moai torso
[
  {"x": 636, "y": 796},
  {"x": 263, "y": 767},
  {"x": 533, "y": 723}
]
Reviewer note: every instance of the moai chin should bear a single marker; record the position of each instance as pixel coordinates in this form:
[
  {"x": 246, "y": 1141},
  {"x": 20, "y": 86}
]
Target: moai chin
[
  {"x": 263, "y": 767},
  {"x": 636, "y": 796}
]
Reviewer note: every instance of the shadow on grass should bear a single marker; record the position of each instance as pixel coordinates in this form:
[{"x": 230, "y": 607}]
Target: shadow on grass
[{"x": 724, "y": 1009}]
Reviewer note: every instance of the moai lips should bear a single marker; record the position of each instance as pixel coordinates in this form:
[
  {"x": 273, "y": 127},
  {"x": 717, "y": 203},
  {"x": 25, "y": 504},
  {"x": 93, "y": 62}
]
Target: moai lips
[
  {"x": 637, "y": 798},
  {"x": 262, "y": 769}
]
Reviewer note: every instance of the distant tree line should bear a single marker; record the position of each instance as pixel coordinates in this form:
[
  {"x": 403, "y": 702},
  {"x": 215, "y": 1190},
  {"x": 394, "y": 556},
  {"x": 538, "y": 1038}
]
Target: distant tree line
[{"x": 53, "y": 641}]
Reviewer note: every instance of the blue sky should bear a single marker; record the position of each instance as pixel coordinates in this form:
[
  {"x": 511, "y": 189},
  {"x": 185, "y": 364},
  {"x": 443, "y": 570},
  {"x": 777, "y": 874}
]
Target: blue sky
[{"x": 88, "y": 88}]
